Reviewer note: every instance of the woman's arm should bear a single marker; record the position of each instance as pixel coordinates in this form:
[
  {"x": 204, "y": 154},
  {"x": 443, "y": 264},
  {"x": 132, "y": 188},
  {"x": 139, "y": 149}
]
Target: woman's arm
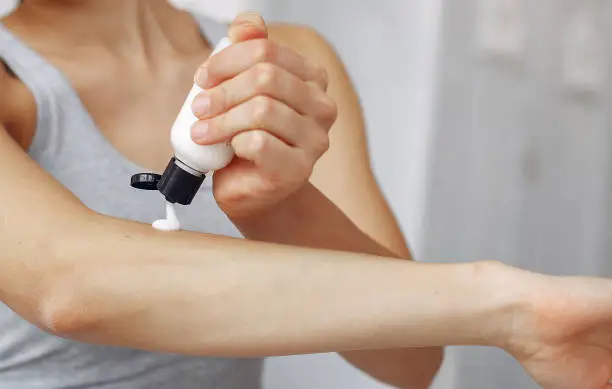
[
  {"x": 93, "y": 278},
  {"x": 205, "y": 295}
]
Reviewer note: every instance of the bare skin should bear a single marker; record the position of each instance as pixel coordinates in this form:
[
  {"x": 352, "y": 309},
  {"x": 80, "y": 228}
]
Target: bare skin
[{"x": 549, "y": 324}]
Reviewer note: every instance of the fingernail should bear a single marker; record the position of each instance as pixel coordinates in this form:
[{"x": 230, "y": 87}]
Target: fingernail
[
  {"x": 201, "y": 77},
  {"x": 201, "y": 105},
  {"x": 199, "y": 132}
]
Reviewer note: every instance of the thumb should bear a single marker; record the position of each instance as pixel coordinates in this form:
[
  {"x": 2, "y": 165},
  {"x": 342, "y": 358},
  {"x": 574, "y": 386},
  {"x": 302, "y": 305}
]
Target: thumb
[{"x": 247, "y": 26}]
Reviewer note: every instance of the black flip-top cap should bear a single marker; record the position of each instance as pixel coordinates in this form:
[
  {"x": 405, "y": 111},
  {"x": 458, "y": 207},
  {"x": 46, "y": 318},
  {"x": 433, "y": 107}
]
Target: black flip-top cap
[
  {"x": 178, "y": 185},
  {"x": 145, "y": 181}
]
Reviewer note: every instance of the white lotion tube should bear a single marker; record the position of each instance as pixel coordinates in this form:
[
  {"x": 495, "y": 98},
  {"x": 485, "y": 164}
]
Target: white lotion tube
[
  {"x": 186, "y": 171},
  {"x": 200, "y": 158}
]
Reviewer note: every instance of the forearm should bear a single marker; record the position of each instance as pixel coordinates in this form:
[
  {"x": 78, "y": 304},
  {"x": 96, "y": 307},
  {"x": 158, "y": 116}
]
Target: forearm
[
  {"x": 310, "y": 219},
  {"x": 120, "y": 283}
]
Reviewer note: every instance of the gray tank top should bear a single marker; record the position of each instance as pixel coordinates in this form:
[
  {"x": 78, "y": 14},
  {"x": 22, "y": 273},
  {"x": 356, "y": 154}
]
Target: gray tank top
[{"x": 68, "y": 145}]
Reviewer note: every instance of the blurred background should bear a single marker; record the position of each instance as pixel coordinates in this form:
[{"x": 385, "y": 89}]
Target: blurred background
[{"x": 489, "y": 127}]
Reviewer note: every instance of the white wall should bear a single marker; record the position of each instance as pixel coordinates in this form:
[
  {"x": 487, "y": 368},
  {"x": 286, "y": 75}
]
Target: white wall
[{"x": 6, "y": 6}]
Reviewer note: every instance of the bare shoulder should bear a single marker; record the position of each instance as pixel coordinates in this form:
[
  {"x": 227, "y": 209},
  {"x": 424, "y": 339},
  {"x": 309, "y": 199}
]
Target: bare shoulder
[
  {"x": 295, "y": 34},
  {"x": 308, "y": 42},
  {"x": 311, "y": 44},
  {"x": 17, "y": 107},
  {"x": 349, "y": 129}
]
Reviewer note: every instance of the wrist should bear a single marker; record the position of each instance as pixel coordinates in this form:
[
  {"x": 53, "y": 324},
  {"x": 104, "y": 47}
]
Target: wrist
[
  {"x": 280, "y": 215},
  {"x": 506, "y": 292}
]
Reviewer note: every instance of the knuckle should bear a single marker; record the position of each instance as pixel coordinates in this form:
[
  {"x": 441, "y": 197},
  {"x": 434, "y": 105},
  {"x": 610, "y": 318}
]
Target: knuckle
[
  {"x": 265, "y": 75},
  {"x": 329, "y": 110},
  {"x": 263, "y": 108},
  {"x": 264, "y": 50},
  {"x": 321, "y": 74},
  {"x": 304, "y": 168},
  {"x": 321, "y": 143},
  {"x": 259, "y": 142}
]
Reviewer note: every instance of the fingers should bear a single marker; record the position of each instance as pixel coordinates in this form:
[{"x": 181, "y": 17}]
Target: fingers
[
  {"x": 279, "y": 161},
  {"x": 242, "y": 56},
  {"x": 266, "y": 79},
  {"x": 267, "y": 100},
  {"x": 263, "y": 113},
  {"x": 247, "y": 26}
]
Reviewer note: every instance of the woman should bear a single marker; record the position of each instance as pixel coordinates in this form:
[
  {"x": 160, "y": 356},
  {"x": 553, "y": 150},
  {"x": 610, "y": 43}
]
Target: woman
[{"x": 96, "y": 298}]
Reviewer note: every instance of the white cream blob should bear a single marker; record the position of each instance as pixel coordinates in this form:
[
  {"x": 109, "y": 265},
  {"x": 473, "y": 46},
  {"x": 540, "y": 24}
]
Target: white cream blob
[{"x": 171, "y": 222}]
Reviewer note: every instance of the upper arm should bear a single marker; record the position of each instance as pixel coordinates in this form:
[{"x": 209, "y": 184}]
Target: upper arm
[
  {"x": 27, "y": 189},
  {"x": 36, "y": 211},
  {"x": 344, "y": 174}
]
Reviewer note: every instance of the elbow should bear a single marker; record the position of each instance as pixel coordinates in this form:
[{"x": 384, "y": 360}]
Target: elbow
[
  {"x": 65, "y": 300},
  {"x": 49, "y": 295},
  {"x": 64, "y": 316},
  {"x": 52, "y": 303},
  {"x": 62, "y": 312},
  {"x": 69, "y": 307}
]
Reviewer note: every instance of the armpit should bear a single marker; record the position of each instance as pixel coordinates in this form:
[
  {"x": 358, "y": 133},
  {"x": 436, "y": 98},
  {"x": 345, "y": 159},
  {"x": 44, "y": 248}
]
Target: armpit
[
  {"x": 8, "y": 70},
  {"x": 17, "y": 107}
]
